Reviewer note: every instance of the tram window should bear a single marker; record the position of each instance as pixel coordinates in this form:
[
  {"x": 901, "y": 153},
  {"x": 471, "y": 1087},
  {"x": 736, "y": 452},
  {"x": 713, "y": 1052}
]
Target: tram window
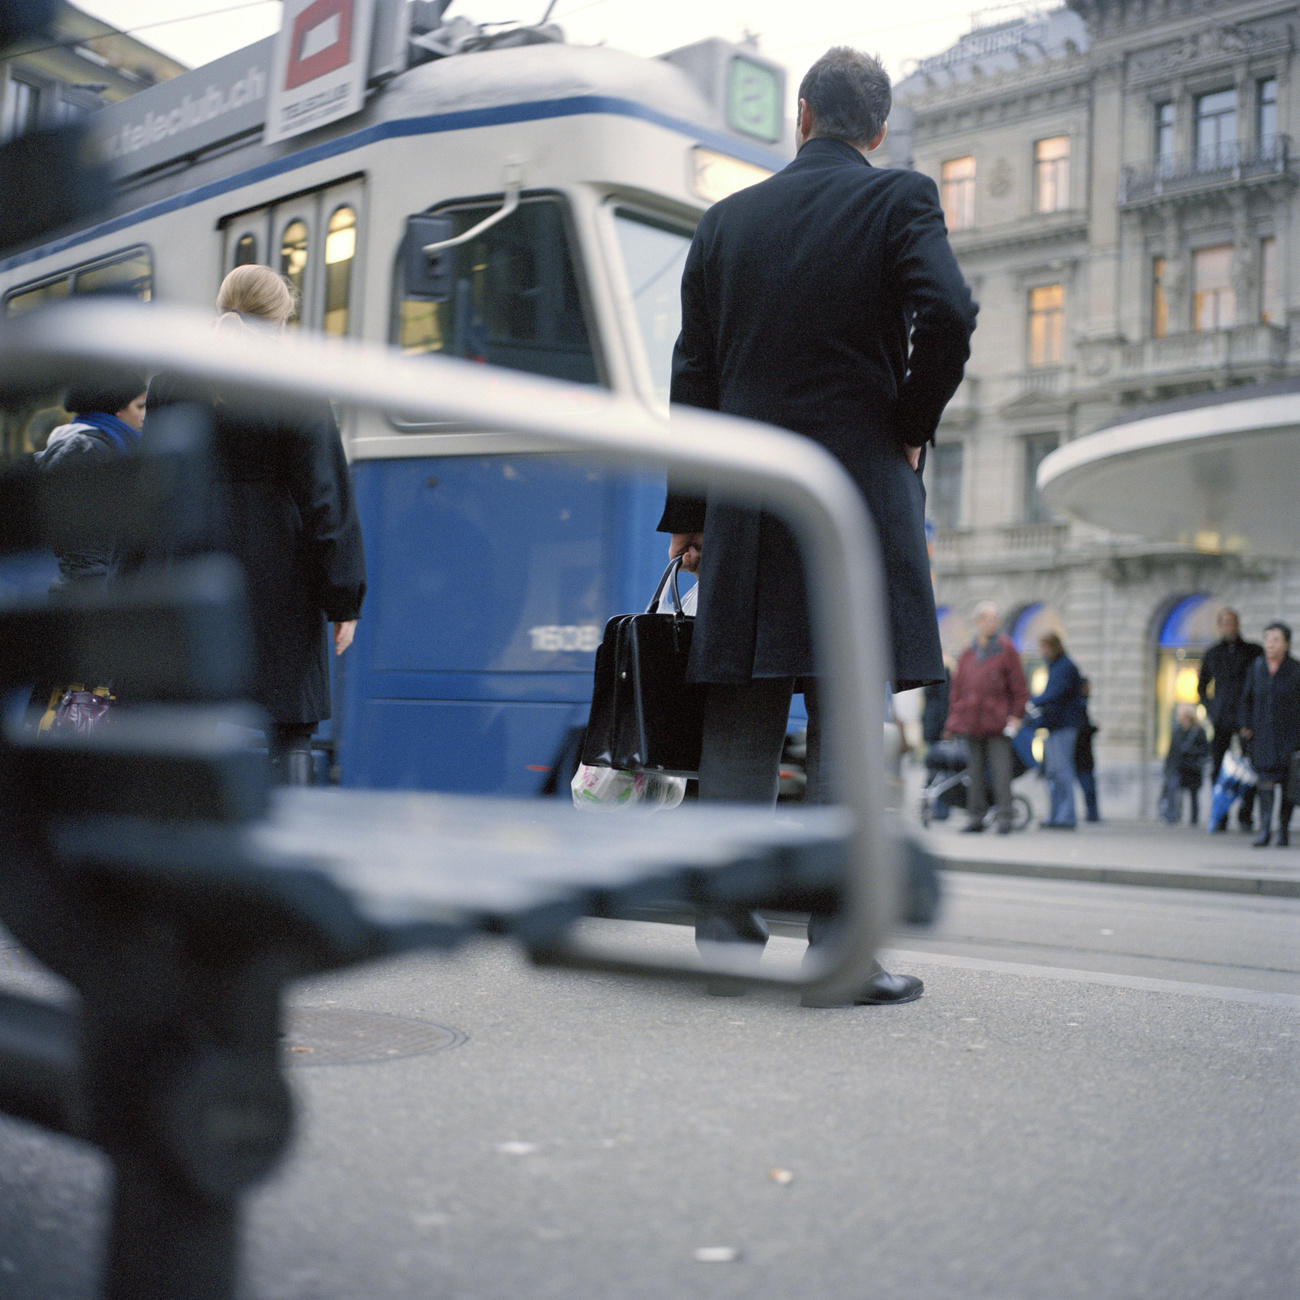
[
  {"x": 293, "y": 261},
  {"x": 26, "y": 299},
  {"x": 653, "y": 256},
  {"x": 340, "y": 250},
  {"x": 129, "y": 272},
  {"x": 515, "y": 302},
  {"x": 132, "y": 275},
  {"x": 246, "y": 250}
]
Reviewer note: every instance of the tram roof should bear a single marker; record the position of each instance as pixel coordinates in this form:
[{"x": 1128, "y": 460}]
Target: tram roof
[{"x": 1214, "y": 471}]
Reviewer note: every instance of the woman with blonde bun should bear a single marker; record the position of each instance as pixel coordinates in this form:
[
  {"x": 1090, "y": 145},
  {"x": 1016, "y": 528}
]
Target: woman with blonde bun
[{"x": 285, "y": 511}]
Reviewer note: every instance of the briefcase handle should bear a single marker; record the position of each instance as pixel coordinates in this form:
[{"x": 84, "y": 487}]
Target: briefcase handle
[{"x": 671, "y": 572}]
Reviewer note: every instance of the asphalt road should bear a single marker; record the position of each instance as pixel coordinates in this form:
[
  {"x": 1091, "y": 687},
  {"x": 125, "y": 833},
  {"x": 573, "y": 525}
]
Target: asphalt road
[{"x": 1095, "y": 1098}]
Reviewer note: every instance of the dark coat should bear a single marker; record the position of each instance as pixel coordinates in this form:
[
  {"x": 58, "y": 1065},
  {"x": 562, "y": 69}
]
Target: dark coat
[
  {"x": 987, "y": 690},
  {"x": 285, "y": 511},
  {"x": 1061, "y": 702},
  {"x": 1225, "y": 665},
  {"x": 1270, "y": 707},
  {"x": 1189, "y": 751},
  {"x": 90, "y": 557},
  {"x": 798, "y": 296}
]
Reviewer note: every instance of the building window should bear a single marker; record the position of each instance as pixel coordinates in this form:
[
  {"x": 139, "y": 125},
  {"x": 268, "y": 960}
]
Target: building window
[
  {"x": 1047, "y": 325},
  {"x": 1266, "y": 115},
  {"x": 1037, "y": 447},
  {"x": 1270, "y": 295},
  {"x": 246, "y": 250},
  {"x": 957, "y": 191},
  {"x": 1164, "y": 143},
  {"x": 1214, "y": 305},
  {"x": 1052, "y": 174},
  {"x": 1216, "y": 130},
  {"x": 1159, "y": 303},
  {"x": 945, "y": 484}
]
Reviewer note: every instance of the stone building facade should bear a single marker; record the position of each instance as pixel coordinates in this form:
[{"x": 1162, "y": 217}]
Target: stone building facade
[
  {"x": 1121, "y": 193},
  {"x": 82, "y": 65}
]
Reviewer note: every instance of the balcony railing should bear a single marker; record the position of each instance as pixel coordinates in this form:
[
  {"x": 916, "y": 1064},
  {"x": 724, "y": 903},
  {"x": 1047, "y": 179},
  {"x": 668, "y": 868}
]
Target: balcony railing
[
  {"x": 999, "y": 543},
  {"x": 1213, "y": 165},
  {"x": 1226, "y": 352}
]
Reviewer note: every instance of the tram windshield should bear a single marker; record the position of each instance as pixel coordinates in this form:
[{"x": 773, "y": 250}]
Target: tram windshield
[
  {"x": 654, "y": 253},
  {"x": 514, "y": 297}
]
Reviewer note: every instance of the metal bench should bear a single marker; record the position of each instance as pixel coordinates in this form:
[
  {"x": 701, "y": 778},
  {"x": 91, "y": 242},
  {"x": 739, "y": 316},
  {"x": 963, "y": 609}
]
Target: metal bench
[{"x": 150, "y": 866}]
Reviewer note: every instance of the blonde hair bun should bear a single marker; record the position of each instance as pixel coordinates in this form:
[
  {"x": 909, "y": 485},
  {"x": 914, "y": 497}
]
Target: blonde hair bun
[{"x": 255, "y": 291}]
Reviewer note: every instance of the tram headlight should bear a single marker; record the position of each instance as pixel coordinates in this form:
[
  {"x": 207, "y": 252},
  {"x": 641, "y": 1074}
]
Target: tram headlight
[{"x": 714, "y": 175}]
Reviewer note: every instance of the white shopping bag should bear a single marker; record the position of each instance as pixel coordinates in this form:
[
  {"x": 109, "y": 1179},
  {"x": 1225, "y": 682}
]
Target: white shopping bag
[{"x": 610, "y": 787}]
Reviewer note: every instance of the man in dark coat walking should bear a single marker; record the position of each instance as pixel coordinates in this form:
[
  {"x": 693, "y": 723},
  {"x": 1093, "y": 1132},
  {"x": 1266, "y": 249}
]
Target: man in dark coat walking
[
  {"x": 825, "y": 300},
  {"x": 1221, "y": 685}
]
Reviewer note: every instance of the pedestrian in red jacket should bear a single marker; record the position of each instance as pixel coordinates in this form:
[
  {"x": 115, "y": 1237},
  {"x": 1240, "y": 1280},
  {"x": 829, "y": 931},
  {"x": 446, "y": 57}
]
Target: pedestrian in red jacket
[{"x": 986, "y": 708}]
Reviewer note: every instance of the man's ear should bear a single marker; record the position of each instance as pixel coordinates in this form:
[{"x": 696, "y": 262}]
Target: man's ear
[
  {"x": 880, "y": 138},
  {"x": 805, "y": 121}
]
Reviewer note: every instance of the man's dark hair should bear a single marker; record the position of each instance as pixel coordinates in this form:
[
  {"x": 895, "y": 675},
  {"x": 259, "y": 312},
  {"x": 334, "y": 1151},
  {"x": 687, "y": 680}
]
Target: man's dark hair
[
  {"x": 849, "y": 94},
  {"x": 105, "y": 391},
  {"x": 1280, "y": 627}
]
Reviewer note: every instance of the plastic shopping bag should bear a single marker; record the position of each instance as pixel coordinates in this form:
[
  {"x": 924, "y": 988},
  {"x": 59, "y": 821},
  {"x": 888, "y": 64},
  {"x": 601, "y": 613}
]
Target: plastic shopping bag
[
  {"x": 610, "y": 787},
  {"x": 1235, "y": 776}
]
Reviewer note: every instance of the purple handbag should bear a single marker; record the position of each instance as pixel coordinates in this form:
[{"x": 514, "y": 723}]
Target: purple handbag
[{"x": 82, "y": 711}]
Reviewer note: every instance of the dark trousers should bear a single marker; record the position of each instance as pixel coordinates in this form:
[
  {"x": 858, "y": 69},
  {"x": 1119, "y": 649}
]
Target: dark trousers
[
  {"x": 989, "y": 762},
  {"x": 1219, "y": 745},
  {"x": 289, "y": 747},
  {"x": 740, "y": 762}
]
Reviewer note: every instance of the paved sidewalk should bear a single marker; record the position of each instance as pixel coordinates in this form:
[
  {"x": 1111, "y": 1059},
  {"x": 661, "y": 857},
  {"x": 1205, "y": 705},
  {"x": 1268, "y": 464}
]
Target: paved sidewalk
[{"x": 1126, "y": 852}]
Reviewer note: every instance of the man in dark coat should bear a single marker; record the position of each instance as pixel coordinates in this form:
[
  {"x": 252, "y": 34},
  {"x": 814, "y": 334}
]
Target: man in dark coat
[
  {"x": 1221, "y": 684},
  {"x": 825, "y": 300}
]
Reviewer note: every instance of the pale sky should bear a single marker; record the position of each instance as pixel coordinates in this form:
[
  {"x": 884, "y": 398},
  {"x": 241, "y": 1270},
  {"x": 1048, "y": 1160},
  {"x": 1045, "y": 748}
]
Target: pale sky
[{"x": 198, "y": 31}]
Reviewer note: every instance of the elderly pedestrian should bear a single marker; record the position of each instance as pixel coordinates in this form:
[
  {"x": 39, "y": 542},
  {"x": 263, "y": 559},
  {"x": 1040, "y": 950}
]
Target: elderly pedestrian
[
  {"x": 1270, "y": 712},
  {"x": 986, "y": 708}
]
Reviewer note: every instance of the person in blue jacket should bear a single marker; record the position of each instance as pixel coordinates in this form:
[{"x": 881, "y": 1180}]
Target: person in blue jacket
[{"x": 1062, "y": 710}]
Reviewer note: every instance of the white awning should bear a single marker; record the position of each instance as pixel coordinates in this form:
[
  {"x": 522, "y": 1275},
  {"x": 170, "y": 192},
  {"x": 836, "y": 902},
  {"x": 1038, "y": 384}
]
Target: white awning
[{"x": 1219, "y": 475}]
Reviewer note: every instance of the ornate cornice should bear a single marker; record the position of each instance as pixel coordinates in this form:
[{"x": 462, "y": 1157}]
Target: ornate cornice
[
  {"x": 1208, "y": 47},
  {"x": 1035, "y": 230}
]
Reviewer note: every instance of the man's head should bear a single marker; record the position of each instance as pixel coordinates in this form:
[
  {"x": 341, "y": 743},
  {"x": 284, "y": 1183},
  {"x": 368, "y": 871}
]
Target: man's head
[
  {"x": 1186, "y": 714},
  {"x": 1228, "y": 624},
  {"x": 1050, "y": 647},
  {"x": 845, "y": 95},
  {"x": 985, "y": 616}
]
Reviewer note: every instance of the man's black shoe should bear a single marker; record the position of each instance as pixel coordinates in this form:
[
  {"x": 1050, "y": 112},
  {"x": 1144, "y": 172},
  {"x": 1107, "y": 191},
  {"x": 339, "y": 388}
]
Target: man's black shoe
[
  {"x": 882, "y": 989},
  {"x": 972, "y": 828},
  {"x": 1219, "y": 828}
]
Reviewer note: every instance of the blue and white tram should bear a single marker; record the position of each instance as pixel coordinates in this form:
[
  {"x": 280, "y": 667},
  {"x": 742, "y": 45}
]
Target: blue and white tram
[{"x": 563, "y": 184}]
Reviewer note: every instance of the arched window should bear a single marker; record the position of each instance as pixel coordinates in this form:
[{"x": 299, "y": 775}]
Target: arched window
[
  {"x": 246, "y": 251},
  {"x": 1184, "y": 634},
  {"x": 340, "y": 251},
  {"x": 293, "y": 260}
]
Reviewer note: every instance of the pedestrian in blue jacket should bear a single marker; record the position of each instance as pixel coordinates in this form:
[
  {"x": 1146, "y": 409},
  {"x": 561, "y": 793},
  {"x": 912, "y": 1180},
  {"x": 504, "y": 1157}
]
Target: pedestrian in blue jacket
[{"x": 1061, "y": 709}]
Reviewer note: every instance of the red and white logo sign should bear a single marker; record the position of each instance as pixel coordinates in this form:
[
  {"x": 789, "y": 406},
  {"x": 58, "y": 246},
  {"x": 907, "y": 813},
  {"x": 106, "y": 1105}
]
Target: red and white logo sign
[{"x": 319, "y": 70}]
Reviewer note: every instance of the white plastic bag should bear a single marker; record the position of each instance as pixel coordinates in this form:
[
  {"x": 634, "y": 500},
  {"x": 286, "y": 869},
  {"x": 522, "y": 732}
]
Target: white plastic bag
[{"x": 610, "y": 787}]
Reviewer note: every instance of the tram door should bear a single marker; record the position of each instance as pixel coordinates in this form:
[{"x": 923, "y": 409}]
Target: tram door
[{"x": 314, "y": 240}]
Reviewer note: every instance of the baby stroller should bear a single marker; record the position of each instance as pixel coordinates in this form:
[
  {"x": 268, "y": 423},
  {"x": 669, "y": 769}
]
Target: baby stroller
[{"x": 948, "y": 784}]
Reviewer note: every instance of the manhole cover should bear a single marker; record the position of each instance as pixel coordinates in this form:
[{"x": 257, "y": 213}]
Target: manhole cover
[{"x": 336, "y": 1036}]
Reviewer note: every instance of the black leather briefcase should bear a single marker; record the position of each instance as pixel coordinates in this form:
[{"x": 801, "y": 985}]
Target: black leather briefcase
[{"x": 645, "y": 716}]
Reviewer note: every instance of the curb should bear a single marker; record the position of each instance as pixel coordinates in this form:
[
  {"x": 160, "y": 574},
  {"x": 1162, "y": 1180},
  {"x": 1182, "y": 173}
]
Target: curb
[{"x": 1220, "y": 881}]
